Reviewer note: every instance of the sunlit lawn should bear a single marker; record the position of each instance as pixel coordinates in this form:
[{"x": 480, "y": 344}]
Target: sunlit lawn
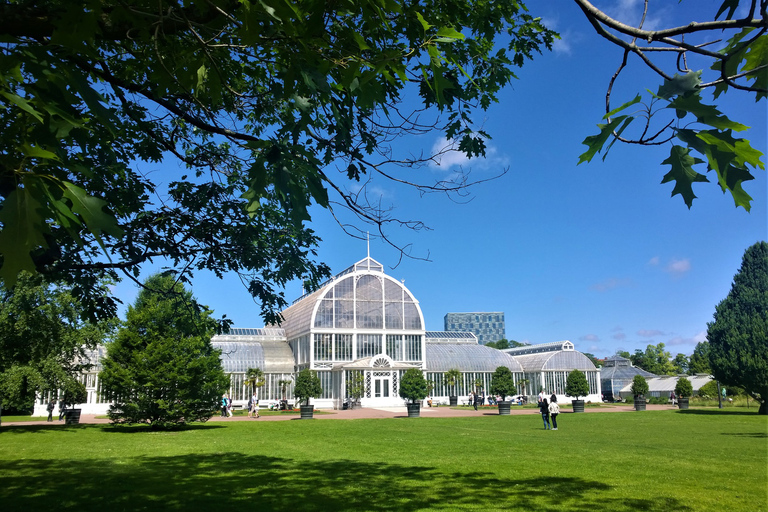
[{"x": 654, "y": 460}]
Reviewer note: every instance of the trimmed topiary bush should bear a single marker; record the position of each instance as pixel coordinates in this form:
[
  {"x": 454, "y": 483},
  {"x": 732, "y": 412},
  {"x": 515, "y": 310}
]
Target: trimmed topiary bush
[
  {"x": 576, "y": 384},
  {"x": 413, "y": 386},
  {"x": 683, "y": 388},
  {"x": 639, "y": 385}
]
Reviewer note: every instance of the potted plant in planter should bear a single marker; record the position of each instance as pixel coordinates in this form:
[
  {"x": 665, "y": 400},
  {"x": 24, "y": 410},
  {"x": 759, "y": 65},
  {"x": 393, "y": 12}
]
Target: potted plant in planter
[
  {"x": 307, "y": 386},
  {"x": 74, "y": 393},
  {"x": 576, "y": 385},
  {"x": 639, "y": 389},
  {"x": 683, "y": 390},
  {"x": 452, "y": 377},
  {"x": 503, "y": 384},
  {"x": 413, "y": 387}
]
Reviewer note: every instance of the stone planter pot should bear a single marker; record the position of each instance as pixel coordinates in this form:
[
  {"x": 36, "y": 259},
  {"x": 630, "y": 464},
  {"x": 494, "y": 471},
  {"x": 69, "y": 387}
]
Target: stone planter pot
[
  {"x": 307, "y": 412},
  {"x": 504, "y": 408},
  {"x": 640, "y": 403},
  {"x": 682, "y": 403},
  {"x": 578, "y": 405},
  {"x": 414, "y": 410},
  {"x": 454, "y": 400},
  {"x": 72, "y": 416}
]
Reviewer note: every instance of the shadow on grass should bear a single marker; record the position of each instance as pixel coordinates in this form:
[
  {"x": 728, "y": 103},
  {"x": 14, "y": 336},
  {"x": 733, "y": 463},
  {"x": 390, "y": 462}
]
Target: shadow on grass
[
  {"x": 756, "y": 435},
  {"x": 234, "y": 481},
  {"x": 121, "y": 429},
  {"x": 720, "y": 412}
]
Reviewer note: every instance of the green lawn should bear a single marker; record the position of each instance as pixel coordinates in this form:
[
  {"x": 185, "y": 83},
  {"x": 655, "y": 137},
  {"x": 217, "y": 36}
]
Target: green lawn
[{"x": 654, "y": 460}]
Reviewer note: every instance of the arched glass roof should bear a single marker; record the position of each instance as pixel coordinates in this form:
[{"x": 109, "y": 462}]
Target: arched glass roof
[
  {"x": 361, "y": 297},
  {"x": 442, "y": 357},
  {"x": 558, "y": 360},
  {"x": 238, "y": 354},
  {"x": 450, "y": 336},
  {"x": 540, "y": 348}
]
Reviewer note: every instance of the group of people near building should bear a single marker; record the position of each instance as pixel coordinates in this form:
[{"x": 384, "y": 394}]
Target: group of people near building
[
  {"x": 549, "y": 410},
  {"x": 226, "y": 406}
]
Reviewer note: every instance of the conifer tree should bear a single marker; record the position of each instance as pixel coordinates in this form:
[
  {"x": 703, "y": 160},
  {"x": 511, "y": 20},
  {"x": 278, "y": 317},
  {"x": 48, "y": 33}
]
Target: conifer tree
[
  {"x": 162, "y": 369},
  {"x": 738, "y": 336}
]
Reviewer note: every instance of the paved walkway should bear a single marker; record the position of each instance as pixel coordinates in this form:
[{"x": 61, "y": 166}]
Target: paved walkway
[{"x": 374, "y": 413}]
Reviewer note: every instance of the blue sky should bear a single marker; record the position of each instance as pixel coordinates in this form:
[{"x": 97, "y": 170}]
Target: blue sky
[{"x": 598, "y": 253}]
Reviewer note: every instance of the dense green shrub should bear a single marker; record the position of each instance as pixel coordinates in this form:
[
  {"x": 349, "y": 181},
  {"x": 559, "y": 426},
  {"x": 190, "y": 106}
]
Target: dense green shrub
[
  {"x": 639, "y": 385},
  {"x": 576, "y": 384},
  {"x": 502, "y": 382},
  {"x": 413, "y": 386},
  {"x": 683, "y": 388},
  {"x": 307, "y": 386}
]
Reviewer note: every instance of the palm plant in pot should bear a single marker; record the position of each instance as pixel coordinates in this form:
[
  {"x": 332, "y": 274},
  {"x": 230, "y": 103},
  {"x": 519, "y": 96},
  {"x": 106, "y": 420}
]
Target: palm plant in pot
[
  {"x": 413, "y": 387},
  {"x": 355, "y": 388},
  {"x": 307, "y": 386},
  {"x": 683, "y": 390},
  {"x": 503, "y": 384},
  {"x": 452, "y": 377},
  {"x": 639, "y": 389},
  {"x": 576, "y": 385}
]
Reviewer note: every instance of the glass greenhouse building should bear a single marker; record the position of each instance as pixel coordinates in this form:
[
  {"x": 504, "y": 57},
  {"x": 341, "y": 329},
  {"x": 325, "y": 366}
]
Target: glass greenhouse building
[{"x": 361, "y": 330}]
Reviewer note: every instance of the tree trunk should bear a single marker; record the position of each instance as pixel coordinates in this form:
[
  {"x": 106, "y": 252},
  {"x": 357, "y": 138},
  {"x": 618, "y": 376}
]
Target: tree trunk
[{"x": 762, "y": 409}]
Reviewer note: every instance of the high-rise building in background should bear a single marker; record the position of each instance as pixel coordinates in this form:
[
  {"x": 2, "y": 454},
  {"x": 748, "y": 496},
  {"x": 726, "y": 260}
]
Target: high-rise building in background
[{"x": 487, "y": 326}]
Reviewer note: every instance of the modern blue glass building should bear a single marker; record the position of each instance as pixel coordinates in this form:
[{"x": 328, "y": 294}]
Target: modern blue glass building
[{"x": 487, "y": 326}]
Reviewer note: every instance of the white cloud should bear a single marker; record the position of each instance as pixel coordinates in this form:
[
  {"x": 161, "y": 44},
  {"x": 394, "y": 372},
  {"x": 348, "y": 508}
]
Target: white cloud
[
  {"x": 679, "y": 267},
  {"x": 449, "y": 157},
  {"x": 590, "y": 337},
  {"x": 654, "y": 261},
  {"x": 620, "y": 336}
]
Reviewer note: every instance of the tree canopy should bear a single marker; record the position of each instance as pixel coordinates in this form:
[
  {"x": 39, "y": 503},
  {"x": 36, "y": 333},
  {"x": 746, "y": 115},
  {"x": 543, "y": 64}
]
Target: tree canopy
[
  {"x": 271, "y": 107},
  {"x": 413, "y": 385},
  {"x": 161, "y": 369},
  {"x": 738, "y": 335},
  {"x": 43, "y": 340}
]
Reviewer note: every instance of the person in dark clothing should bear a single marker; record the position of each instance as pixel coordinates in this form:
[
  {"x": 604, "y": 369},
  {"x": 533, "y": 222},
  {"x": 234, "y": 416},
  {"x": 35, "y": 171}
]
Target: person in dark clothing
[
  {"x": 477, "y": 400},
  {"x": 544, "y": 408},
  {"x": 49, "y": 408}
]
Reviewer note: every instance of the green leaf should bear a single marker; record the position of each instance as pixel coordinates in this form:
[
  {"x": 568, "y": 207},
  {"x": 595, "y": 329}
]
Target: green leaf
[
  {"x": 680, "y": 85},
  {"x": 423, "y": 22},
  {"x": 705, "y": 114},
  {"x": 613, "y": 112},
  {"x": 727, "y": 5},
  {"x": 595, "y": 142},
  {"x": 448, "y": 35},
  {"x": 23, "y": 220},
  {"x": 22, "y": 104},
  {"x": 682, "y": 173},
  {"x": 91, "y": 210}
]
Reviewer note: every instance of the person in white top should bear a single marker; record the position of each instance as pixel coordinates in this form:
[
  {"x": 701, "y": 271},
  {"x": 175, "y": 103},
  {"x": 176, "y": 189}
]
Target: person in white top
[{"x": 554, "y": 410}]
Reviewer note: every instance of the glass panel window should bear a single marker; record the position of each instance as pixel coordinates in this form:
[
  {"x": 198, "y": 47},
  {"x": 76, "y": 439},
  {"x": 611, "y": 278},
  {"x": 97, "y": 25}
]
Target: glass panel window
[
  {"x": 344, "y": 289},
  {"x": 394, "y": 315},
  {"x": 395, "y": 347},
  {"x": 411, "y": 317},
  {"x": 345, "y": 314},
  {"x": 370, "y": 314},
  {"x": 324, "y": 316},
  {"x": 343, "y": 347},
  {"x": 323, "y": 347},
  {"x": 413, "y": 348},
  {"x": 368, "y": 345}
]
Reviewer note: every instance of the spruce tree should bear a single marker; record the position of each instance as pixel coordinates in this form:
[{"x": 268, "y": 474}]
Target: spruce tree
[
  {"x": 161, "y": 368},
  {"x": 738, "y": 336}
]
